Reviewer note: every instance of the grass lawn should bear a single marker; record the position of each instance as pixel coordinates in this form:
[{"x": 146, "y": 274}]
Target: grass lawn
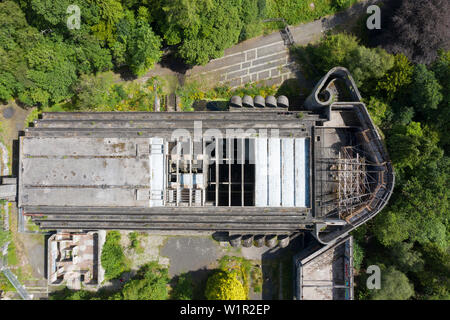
[{"x": 302, "y": 11}]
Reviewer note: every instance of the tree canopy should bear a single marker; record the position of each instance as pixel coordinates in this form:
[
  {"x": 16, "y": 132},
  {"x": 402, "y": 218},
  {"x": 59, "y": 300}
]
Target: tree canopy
[
  {"x": 112, "y": 257},
  {"x": 409, "y": 102},
  {"x": 416, "y": 28},
  {"x": 394, "y": 286},
  {"x": 224, "y": 285}
]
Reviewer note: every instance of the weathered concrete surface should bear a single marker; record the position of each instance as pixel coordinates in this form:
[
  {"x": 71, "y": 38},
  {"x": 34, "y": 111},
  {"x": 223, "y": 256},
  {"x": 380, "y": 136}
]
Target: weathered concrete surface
[
  {"x": 190, "y": 253},
  {"x": 84, "y": 172}
]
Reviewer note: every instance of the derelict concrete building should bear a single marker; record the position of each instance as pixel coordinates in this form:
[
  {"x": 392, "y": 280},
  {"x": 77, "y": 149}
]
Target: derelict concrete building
[{"x": 258, "y": 171}]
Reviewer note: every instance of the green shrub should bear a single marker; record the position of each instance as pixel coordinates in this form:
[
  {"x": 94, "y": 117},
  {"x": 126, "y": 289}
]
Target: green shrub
[
  {"x": 358, "y": 255},
  {"x": 150, "y": 283},
  {"x": 112, "y": 258},
  {"x": 184, "y": 288},
  {"x": 224, "y": 286}
]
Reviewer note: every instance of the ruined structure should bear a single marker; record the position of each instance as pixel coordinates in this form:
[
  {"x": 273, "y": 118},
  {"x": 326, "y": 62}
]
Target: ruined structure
[
  {"x": 258, "y": 171},
  {"x": 73, "y": 259},
  {"x": 325, "y": 272}
]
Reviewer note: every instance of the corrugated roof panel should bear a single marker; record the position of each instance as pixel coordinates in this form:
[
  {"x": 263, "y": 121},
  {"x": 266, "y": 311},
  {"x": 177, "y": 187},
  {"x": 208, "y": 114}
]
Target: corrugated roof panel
[
  {"x": 261, "y": 195},
  {"x": 300, "y": 171},
  {"x": 287, "y": 173},
  {"x": 274, "y": 171}
]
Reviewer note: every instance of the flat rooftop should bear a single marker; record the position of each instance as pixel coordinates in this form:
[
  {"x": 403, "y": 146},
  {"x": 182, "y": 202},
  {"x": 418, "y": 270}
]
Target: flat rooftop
[{"x": 87, "y": 161}]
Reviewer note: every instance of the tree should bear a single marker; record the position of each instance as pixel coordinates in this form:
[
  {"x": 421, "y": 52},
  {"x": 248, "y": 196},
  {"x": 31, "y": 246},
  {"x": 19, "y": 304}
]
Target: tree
[
  {"x": 394, "y": 286},
  {"x": 419, "y": 208},
  {"x": 435, "y": 282},
  {"x": 405, "y": 258},
  {"x": 111, "y": 12},
  {"x": 413, "y": 144},
  {"x": 332, "y": 51},
  {"x": 184, "y": 288},
  {"x": 417, "y": 28},
  {"x": 366, "y": 64},
  {"x": 51, "y": 72},
  {"x": 251, "y": 13},
  {"x": 112, "y": 257},
  {"x": 441, "y": 69},
  {"x": 90, "y": 56},
  {"x": 425, "y": 90},
  {"x": 397, "y": 78},
  {"x": 144, "y": 49},
  {"x": 224, "y": 286},
  {"x": 94, "y": 91},
  {"x": 358, "y": 255},
  {"x": 378, "y": 110},
  {"x": 201, "y": 29},
  {"x": 16, "y": 38},
  {"x": 150, "y": 283}
]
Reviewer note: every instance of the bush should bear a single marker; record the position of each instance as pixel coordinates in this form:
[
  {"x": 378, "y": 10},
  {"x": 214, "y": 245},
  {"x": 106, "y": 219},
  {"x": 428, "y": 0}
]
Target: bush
[
  {"x": 394, "y": 286},
  {"x": 112, "y": 258},
  {"x": 184, "y": 288},
  {"x": 224, "y": 286},
  {"x": 358, "y": 255},
  {"x": 365, "y": 64},
  {"x": 397, "y": 78},
  {"x": 150, "y": 283}
]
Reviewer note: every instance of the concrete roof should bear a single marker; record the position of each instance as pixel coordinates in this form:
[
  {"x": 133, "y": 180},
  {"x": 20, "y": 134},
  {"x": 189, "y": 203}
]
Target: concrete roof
[{"x": 84, "y": 171}]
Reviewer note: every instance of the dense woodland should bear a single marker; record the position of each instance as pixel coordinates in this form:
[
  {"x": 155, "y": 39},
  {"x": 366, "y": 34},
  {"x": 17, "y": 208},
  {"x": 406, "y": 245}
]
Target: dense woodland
[
  {"x": 43, "y": 62},
  {"x": 403, "y": 74},
  {"x": 402, "y": 71}
]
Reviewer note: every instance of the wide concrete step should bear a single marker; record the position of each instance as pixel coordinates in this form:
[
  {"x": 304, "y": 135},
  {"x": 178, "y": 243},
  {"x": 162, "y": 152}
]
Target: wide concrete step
[
  {"x": 176, "y": 218},
  {"x": 97, "y": 225},
  {"x": 148, "y": 116},
  {"x": 213, "y": 211},
  {"x": 164, "y": 124},
  {"x": 150, "y": 133}
]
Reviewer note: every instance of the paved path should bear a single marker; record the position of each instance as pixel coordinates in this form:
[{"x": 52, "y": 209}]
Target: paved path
[{"x": 265, "y": 58}]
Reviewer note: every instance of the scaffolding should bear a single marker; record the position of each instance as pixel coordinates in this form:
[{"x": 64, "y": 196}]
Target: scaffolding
[{"x": 353, "y": 185}]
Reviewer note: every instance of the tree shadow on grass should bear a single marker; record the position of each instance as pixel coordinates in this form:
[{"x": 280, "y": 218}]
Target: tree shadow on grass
[{"x": 197, "y": 278}]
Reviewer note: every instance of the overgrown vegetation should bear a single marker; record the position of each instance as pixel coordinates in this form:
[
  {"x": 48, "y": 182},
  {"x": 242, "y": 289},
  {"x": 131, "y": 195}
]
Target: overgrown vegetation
[
  {"x": 5, "y": 235},
  {"x": 193, "y": 91},
  {"x": 223, "y": 285},
  {"x": 44, "y": 63},
  {"x": 409, "y": 103},
  {"x": 149, "y": 283},
  {"x": 135, "y": 243},
  {"x": 184, "y": 288},
  {"x": 113, "y": 260},
  {"x": 294, "y": 12}
]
